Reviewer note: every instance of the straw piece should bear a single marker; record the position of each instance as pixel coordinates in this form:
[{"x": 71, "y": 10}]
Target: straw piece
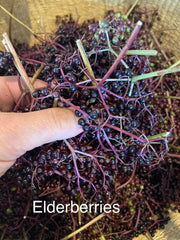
[
  {"x": 85, "y": 226},
  {"x": 142, "y": 52},
  {"x": 84, "y": 57},
  {"x": 155, "y": 74},
  {"x": 17, "y": 20},
  {"x": 133, "y": 6},
  {"x": 9, "y": 47}
]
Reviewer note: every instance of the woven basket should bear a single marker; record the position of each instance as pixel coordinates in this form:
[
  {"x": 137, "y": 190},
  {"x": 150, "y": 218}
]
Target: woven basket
[{"x": 42, "y": 15}]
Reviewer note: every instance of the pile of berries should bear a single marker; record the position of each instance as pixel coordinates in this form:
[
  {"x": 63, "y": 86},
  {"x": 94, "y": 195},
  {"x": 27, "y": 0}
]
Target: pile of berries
[{"x": 122, "y": 154}]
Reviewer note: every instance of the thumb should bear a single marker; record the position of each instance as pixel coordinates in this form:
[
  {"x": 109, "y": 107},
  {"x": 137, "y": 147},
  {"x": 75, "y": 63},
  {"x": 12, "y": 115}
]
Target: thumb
[{"x": 21, "y": 132}]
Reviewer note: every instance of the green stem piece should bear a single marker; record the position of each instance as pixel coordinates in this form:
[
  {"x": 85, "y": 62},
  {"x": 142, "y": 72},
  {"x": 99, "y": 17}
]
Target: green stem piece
[
  {"x": 55, "y": 103},
  {"x": 113, "y": 52},
  {"x": 142, "y": 52},
  {"x": 160, "y": 135},
  {"x": 102, "y": 237},
  {"x": 174, "y": 147},
  {"x": 131, "y": 89},
  {"x": 171, "y": 97},
  {"x": 85, "y": 59},
  {"x": 155, "y": 74},
  {"x": 37, "y": 74},
  {"x": 17, "y": 20},
  {"x": 175, "y": 64},
  {"x": 10, "y": 20},
  {"x": 123, "y": 52},
  {"x": 132, "y": 7}
]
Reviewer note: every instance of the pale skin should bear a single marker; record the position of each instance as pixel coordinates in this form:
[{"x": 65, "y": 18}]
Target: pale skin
[{"x": 21, "y": 132}]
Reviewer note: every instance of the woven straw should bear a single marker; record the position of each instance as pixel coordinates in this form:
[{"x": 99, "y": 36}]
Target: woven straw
[{"x": 40, "y": 16}]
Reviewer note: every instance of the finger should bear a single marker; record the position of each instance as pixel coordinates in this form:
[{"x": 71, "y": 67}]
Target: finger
[
  {"x": 5, "y": 165},
  {"x": 21, "y": 132},
  {"x": 10, "y": 91}
]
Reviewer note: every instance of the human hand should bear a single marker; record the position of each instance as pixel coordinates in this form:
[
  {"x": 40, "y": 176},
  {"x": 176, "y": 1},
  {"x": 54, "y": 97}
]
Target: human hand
[{"x": 21, "y": 132}]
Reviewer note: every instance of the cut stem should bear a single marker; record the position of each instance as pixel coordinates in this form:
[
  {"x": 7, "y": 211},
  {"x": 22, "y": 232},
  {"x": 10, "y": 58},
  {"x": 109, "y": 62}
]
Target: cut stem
[
  {"x": 174, "y": 147},
  {"x": 155, "y": 74},
  {"x": 175, "y": 64},
  {"x": 85, "y": 58},
  {"x": 123, "y": 52},
  {"x": 36, "y": 74},
  {"x": 102, "y": 236},
  {"x": 137, "y": 52},
  {"x": 142, "y": 52},
  {"x": 131, "y": 89},
  {"x": 9, "y": 47},
  {"x": 79, "y": 212},
  {"x": 171, "y": 97},
  {"x": 55, "y": 103},
  {"x": 10, "y": 20},
  {"x": 85, "y": 226},
  {"x": 24, "y": 92},
  {"x": 130, "y": 179},
  {"x": 133, "y": 6},
  {"x": 160, "y": 135},
  {"x": 172, "y": 117},
  {"x": 17, "y": 20}
]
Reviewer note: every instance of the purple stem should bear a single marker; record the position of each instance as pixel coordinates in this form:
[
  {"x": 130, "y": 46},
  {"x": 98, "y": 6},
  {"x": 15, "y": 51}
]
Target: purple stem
[
  {"x": 77, "y": 171},
  {"x": 104, "y": 102},
  {"x": 32, "y": 60},
  {"x": 123, "y": 52},
  {"x": 75, "y": 107},
  {"x": 125, "y": 132},
  {"x": 123, "y": 98},
  {"x": 100, "y": 142},
  {"x": 92, "y": 78},
  {"x": 108, "y": 141},
  {"x": 86, "y": 87},
  {"x": 126, "y": 89},
  {"x": 138, "y": 217},
  {"x": 18, "y": 102},
  {"x": 82, "y": 135},
  {"x": 96, "y": 161},
  {"x": 126, "y": 183}
]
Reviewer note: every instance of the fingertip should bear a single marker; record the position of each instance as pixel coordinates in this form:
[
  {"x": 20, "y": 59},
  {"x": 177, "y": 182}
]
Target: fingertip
[
  {"x": 33, "y": 129},
  {"x": 4, "y": 166}
]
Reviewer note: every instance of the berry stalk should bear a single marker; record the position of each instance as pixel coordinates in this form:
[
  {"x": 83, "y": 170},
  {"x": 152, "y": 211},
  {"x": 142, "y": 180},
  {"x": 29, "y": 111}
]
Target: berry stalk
[{"x": 123, "y": 52}]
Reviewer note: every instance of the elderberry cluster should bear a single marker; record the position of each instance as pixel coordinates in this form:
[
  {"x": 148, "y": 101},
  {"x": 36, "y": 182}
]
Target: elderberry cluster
[{"x": 6, "y": 63}]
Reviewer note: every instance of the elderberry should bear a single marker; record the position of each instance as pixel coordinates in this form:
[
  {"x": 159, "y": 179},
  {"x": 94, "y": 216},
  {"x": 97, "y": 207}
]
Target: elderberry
[
  {"x": 86, "y": 127},
  {"x": 81, "y": 122},
  {"x": 77, "y": 113}
]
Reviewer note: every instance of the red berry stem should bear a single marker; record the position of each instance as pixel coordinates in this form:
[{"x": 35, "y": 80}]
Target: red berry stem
[
  {"x": 125, "y": 132},
  {"x": 75, "y": 107},
  {"x": 131, "y": 178},
  {"x": 123, "y": 52},
  {"x": 138, "y": 217}
]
